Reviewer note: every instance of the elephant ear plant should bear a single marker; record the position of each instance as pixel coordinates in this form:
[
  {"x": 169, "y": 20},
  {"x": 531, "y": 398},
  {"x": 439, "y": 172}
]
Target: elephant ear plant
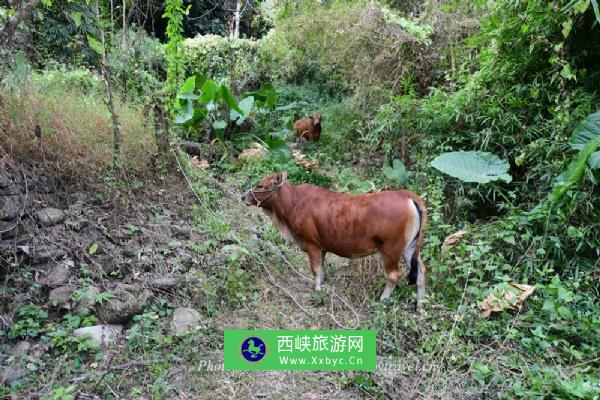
[
  {"x": 473, "y": 166},
  {"x": 201, "y": 100}
]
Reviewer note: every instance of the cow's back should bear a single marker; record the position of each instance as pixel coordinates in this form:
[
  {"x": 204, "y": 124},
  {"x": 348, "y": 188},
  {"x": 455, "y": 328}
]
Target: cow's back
[{"x": 352, "y": 225}]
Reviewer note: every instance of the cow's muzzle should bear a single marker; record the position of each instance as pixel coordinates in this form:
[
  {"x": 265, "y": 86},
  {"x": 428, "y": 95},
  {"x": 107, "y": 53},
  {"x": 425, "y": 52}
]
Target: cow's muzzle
[{"x": 245, "y": 199}]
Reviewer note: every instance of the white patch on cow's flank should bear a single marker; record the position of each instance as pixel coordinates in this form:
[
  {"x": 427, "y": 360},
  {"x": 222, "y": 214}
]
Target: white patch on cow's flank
[
  {"x": 411, "y": 242},
  {"x": 416, "y": 223}
]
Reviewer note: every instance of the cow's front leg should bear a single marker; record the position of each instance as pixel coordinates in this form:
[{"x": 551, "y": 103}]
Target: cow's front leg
[{"x": 316, "y": 260}]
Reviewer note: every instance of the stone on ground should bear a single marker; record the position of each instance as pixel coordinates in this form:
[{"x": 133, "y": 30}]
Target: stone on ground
[
  {"x": 183, "y": 320},
  {"x": 61, "y": 296},
  {"x": 50, "y": 216},
  {"x": 101, "y": 335},
  {"x": 60, "y": 273},
  {"x": 127, "y": 301}
]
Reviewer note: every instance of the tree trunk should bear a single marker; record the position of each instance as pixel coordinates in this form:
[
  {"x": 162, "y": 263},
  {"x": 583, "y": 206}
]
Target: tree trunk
[
  {"x": 125, "y": 42},
  {"x": 236, "y": 20},
  {"x": 161, "y": 133},
  {"x": 13, "y": 22},
  {"x": 117, "y": 137}
]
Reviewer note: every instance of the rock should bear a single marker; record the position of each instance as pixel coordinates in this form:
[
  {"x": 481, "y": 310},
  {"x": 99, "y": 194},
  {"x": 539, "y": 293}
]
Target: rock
[
  {"x": 8, "y": 230},
  {"x": 12, "y": 374},
  {"x": 50, "y": 216},
  {"x": 127, "y": 301},
  {"x": 61, "y": 296},
  {"x": 86, "y": 303},
  {"x": 186, "y": 259},
  {"x": 256, "y": 151},
  {"x": 60, "y": 273},
  {"x": 167, "y": 282},
  {"x": 45, "y": 254},
  {"x": 183, "y": 320},
  {"x": 180, "y": 232},
  {"x": 77, "y": 225},
  {"x": 20, "y": 349},
  {"x": 38, "y": 350},
  {"x": 101, "y": 335},
  {"x": 10, "y": 207}
]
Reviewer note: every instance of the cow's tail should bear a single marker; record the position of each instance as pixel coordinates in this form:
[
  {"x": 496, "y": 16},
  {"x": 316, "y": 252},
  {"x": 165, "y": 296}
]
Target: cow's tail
[{"x": 417, "y": 242}]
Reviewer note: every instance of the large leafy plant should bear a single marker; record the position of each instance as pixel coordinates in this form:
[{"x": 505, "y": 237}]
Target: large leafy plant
[
  {"x": 200, "y": 99},
  {"x": 586, "y": 139},
  {"x": 473, "y": 166}
]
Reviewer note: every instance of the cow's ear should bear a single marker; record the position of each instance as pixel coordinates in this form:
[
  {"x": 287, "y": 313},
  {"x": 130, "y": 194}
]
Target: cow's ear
[{"x": 283, "y": 177}]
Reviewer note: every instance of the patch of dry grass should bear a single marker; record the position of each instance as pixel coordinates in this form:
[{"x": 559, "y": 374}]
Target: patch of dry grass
[{"x": 76, "y": 139}]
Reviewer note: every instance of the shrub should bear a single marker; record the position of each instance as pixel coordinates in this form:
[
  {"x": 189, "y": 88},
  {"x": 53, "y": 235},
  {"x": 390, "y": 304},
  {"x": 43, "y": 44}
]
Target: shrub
[
  {"x": 238, "y": 62},
  {"x": 136, "y": 67},
  {"x": 348, "y": 46}
]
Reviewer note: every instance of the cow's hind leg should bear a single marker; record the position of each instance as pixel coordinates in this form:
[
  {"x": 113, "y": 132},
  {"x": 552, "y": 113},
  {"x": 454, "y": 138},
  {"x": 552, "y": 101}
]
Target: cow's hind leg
[
  {"x": 417, "y": 271},
  {"x": 392, "y": 271},
  {"x": 316, "y": 257},
  {"x": 420, "y": 281}
]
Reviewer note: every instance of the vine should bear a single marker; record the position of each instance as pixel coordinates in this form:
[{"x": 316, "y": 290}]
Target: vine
[{"x": 174, "y": 12}]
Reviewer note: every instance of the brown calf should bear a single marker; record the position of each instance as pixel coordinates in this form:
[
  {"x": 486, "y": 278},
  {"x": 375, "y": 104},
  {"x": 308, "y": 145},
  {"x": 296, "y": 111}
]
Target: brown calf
[
  {"x": 319, "y": 221},
  {"x": 309, "y": 128}
]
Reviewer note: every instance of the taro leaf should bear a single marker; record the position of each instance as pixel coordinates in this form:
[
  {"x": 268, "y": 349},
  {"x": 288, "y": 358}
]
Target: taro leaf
[
  {"x": 186, "y": 114},
  {"x": 246, "y": 106},
  {"x": 200, "y": 115},
  {"x": 229, "y": 99},
  {"x": 473, "y": 166},
  {"x": 595, "y": 160},
  {"x": 219, "y": 124},
  {"x": 186, "y": 91},
  {"x": 587, "y": 130},
  {"x": 200, "y": 80},
  {"x": 95, "y": 45},
  {"x": 266, "y": 96},
  {"x": 210, "y": 91},
  {"x": 397, "y": 172}
]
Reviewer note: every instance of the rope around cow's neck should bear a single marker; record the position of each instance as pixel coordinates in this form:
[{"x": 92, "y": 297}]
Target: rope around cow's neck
[{"x": 272, "y": 192}]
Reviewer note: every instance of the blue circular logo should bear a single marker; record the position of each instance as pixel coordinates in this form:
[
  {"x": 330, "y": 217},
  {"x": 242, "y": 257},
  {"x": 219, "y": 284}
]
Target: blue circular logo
[{"x": 253, "y": 349}]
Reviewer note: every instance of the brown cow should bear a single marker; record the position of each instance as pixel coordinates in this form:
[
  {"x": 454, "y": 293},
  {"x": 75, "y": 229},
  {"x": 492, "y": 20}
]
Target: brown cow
[
  {"x": 309, "y": 128},
  {"x": 319, "y": 221}
]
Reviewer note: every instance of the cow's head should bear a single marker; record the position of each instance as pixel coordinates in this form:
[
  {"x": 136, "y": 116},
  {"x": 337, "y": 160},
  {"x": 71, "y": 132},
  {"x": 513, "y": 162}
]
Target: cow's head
[
  {"x": 265, "y": 190},
  {"x": 316, "y": 119}
]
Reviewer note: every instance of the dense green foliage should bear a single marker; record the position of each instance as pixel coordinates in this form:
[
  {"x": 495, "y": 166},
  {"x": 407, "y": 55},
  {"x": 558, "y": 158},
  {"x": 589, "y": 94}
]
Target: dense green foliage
[{"x": 239, "y": 61}]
